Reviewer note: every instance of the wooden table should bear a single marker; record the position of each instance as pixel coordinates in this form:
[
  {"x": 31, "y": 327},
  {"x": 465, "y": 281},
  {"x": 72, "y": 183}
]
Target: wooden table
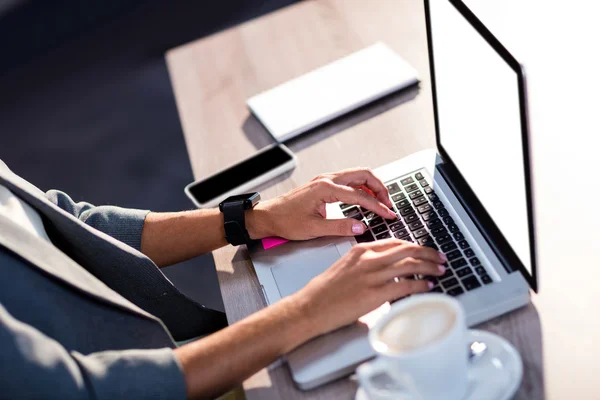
[{"x": 213, "y": 77}]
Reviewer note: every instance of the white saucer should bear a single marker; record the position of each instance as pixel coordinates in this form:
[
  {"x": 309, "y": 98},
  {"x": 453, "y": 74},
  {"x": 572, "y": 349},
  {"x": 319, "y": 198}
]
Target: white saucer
[{"x": 495, "y": 376}]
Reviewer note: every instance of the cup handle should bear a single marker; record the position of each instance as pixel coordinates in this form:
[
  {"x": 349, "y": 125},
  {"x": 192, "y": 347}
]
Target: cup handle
[{"x": 378, "y": 384}]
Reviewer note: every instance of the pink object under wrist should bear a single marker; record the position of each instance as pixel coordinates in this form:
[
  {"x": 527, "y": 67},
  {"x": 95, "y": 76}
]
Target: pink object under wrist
[{"x": 270, "y": 242}]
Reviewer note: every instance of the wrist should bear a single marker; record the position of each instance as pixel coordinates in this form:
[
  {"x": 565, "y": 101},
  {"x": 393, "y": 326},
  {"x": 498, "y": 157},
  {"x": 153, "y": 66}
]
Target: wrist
[
  {"x": 258, "y": 222},
  {"x": 300, "y": 325}
]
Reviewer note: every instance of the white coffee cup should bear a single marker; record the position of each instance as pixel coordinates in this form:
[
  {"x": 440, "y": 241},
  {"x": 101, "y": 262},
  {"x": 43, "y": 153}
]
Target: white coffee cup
[{"x": 422, "y": 351}]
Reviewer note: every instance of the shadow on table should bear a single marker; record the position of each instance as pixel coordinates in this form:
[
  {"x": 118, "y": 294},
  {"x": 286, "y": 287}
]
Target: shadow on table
[
  {"x": 259, "y": 136},
  {"x": 523, "y": 330}
]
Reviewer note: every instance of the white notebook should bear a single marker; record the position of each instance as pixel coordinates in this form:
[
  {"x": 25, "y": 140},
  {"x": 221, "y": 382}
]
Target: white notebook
[{"x": 328, "y": 92}]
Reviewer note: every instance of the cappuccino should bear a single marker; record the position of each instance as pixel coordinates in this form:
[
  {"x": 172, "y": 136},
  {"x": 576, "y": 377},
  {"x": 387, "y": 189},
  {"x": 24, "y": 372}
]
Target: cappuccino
[{"x": 417, "y": 326}]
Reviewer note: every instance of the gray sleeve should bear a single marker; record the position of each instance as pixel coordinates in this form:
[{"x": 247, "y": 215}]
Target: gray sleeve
[
  {"x": 123, "y": 224},
  {"x": 32, "y": 365}
]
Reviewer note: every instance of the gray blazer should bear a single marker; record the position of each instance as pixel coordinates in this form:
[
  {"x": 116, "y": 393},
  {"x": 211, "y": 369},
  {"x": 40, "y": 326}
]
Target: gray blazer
[{"x": 86, "y": 318}]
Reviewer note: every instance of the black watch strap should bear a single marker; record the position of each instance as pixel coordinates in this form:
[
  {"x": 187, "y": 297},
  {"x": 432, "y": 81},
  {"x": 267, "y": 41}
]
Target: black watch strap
[{"x": 235, "y": 223}]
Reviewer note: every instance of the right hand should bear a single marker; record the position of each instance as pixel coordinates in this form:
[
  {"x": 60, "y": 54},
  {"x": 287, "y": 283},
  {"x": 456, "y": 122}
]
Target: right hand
[{"x": 363, "y": 280}]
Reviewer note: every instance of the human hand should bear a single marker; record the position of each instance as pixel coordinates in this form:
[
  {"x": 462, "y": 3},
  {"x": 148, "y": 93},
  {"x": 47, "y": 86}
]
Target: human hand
[
  {"x": 301, "y": 214},
  {"x": 363, "y": 280}
]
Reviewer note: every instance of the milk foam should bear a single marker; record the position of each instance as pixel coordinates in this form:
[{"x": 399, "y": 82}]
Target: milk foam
[{"x": 417, "y": 326}]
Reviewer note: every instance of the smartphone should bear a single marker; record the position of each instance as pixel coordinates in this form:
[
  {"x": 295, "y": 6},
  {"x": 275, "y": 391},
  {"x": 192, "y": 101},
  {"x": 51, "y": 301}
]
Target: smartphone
[{"x": 242, "y": 177}]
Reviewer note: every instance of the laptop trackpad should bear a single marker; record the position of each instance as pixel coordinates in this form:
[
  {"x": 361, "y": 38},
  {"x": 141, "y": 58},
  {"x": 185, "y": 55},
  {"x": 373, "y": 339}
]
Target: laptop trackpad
[{"x": 293, "y": 275}]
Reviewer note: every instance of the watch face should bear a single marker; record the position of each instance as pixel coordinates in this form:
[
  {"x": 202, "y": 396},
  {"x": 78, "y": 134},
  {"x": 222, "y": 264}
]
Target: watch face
[{"x": 249, "y": 199}]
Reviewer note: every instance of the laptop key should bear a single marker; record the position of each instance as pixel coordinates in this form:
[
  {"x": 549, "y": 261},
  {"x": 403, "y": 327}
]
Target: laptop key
[
  {"x": 403, "y": 203},
  {"x": 401, "y": 233},
  {"x": 419, "y": 201},
  {"x": 453, "y": 228},
  {"x": 419, "y": 176},
  {"x": 433, "y": 223},
  {"x": 413, "y": 226},
  {"x": 455, "y": 291},
  {"x": 350, "y": 211},
  {"x": 415, "y": 194},
  {"x": 453, "y": 255},
  {"x": 438, "y": 230},
  {"x": 468, "y": 252},
  {"x": 486, "y": 279},
  {"x": 398, "y": 197},
  {"x": 423, "y": 183},
  {"x": 458, "y": 236},
  {"x": 407, "y": 210},
  {"x": 448, "y": 246},
  {"x": 428, "y": 190},
  {"x": 437, "y": 204},
  {"x": 461, "y": 273},
  {"x": 433, "y": 197},
  {"x": 480, "y": 271},
  {"x": 384, "y": 235},
  {"x": 396, "y": 226},
  {"x": 424, "y": 208},
  {"x": 420, "y": 233},
  {"x": 344, "y": 206},
  {"x": 375, "y": 221},
  {"x": 379, "y": 228},
  {"x": 461, "y": 262},
  {"x": 411, "y": 188},
  {"x": 475, "y": 261},
  {"x": 470, "y": 282},
  {"x": 357, "y": 217},
  {"x": 393, "y": 188},
  {"x": 407, "y": 181},
  {"x": 364, "y": 238},
  {"x": 447, "y": 274},
  {"x": 441, "y": 239},
  {"x": 411, "y": 218},
  {"x": 463, "y": 244},
  {"x": 437, "y": 289},
  {"x": 448, "y": 283},
  {"x": 448, "y": 220},
  {"x": 426, "y": 240},
  {"x": 442, "y": 211},
  {"x": 429, "y": 215}
]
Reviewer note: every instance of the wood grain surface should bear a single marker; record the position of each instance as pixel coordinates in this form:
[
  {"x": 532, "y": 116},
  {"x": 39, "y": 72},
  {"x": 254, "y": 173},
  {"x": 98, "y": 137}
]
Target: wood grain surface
[{"x": 213, "y": 77}]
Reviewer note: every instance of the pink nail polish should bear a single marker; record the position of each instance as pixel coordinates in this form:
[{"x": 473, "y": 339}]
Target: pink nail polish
[
  {"x": 442, "y": 268},
  {"x": 443, "y": 256},
  {"x": 430, "y": 284},
  {"x": 358, "y": 228}
]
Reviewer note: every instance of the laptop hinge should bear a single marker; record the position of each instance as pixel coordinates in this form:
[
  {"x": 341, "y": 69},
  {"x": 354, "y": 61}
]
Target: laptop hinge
[{"x": 447, "y": 175}]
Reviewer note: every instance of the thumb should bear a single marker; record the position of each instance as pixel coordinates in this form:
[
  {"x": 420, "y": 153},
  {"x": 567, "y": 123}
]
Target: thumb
[{"x": 338, "y": 227}]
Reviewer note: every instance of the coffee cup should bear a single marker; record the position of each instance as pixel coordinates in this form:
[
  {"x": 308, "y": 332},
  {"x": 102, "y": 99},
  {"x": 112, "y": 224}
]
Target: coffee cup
[{"x": 421, "y": 346}]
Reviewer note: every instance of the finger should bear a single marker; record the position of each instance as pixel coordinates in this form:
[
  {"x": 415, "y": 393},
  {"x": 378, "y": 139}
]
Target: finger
[
  {"x": 385, "y": 244},
  {"x": 412, "y": 250},
  {"x": 395, "y": 290},
  {"x": 409, "y": 267},
  {"x": 350, "y": 195},
  {"x": 336, "y": 227},
  {"x": 364, "y": 176}
]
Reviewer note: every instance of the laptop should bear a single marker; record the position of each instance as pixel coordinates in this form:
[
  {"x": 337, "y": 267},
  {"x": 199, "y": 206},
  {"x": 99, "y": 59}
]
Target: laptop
[{"x": 470, "y": 198}]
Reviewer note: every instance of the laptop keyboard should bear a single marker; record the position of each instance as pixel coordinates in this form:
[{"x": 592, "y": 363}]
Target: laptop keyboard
[{"x": 423, "y": 219}]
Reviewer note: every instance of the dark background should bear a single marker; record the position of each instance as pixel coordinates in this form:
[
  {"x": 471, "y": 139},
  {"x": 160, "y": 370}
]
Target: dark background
[{"x": 86, "y": 105}]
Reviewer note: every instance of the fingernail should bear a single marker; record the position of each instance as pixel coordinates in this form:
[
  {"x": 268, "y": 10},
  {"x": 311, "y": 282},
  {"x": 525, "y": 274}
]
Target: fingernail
[
  {"x": 443, "y": 257},
  {"x": 392, "y": 214},
  {"x": 358, "y": 228},
  {"x": 430, "y": 284},
  {"x": 442, "y": 268}
]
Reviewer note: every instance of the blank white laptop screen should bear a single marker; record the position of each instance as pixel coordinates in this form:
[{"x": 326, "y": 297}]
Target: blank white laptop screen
[{"x": 479, "y": 121}]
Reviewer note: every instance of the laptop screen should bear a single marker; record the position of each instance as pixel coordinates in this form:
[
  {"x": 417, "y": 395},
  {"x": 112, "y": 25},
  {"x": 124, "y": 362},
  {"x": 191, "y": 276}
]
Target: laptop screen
[{"x": 479, "y": 121}]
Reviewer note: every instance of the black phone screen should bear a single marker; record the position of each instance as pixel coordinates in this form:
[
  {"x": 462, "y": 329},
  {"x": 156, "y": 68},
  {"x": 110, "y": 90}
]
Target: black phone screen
[{"x": 239, "y": 174}]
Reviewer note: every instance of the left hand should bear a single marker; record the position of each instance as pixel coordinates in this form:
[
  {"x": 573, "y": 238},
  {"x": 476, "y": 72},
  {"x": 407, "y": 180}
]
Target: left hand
[{"x": 301, "y": 214}]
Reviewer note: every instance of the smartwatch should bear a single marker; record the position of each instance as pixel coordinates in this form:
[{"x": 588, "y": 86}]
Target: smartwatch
[{"x": 234, "y": 217}]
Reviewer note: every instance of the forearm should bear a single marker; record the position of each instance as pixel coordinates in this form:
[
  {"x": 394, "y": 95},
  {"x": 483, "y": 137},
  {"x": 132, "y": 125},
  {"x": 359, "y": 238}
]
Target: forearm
[
  {"x": 168, "y": 238},
  {"x": 215, "y": 364}
]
